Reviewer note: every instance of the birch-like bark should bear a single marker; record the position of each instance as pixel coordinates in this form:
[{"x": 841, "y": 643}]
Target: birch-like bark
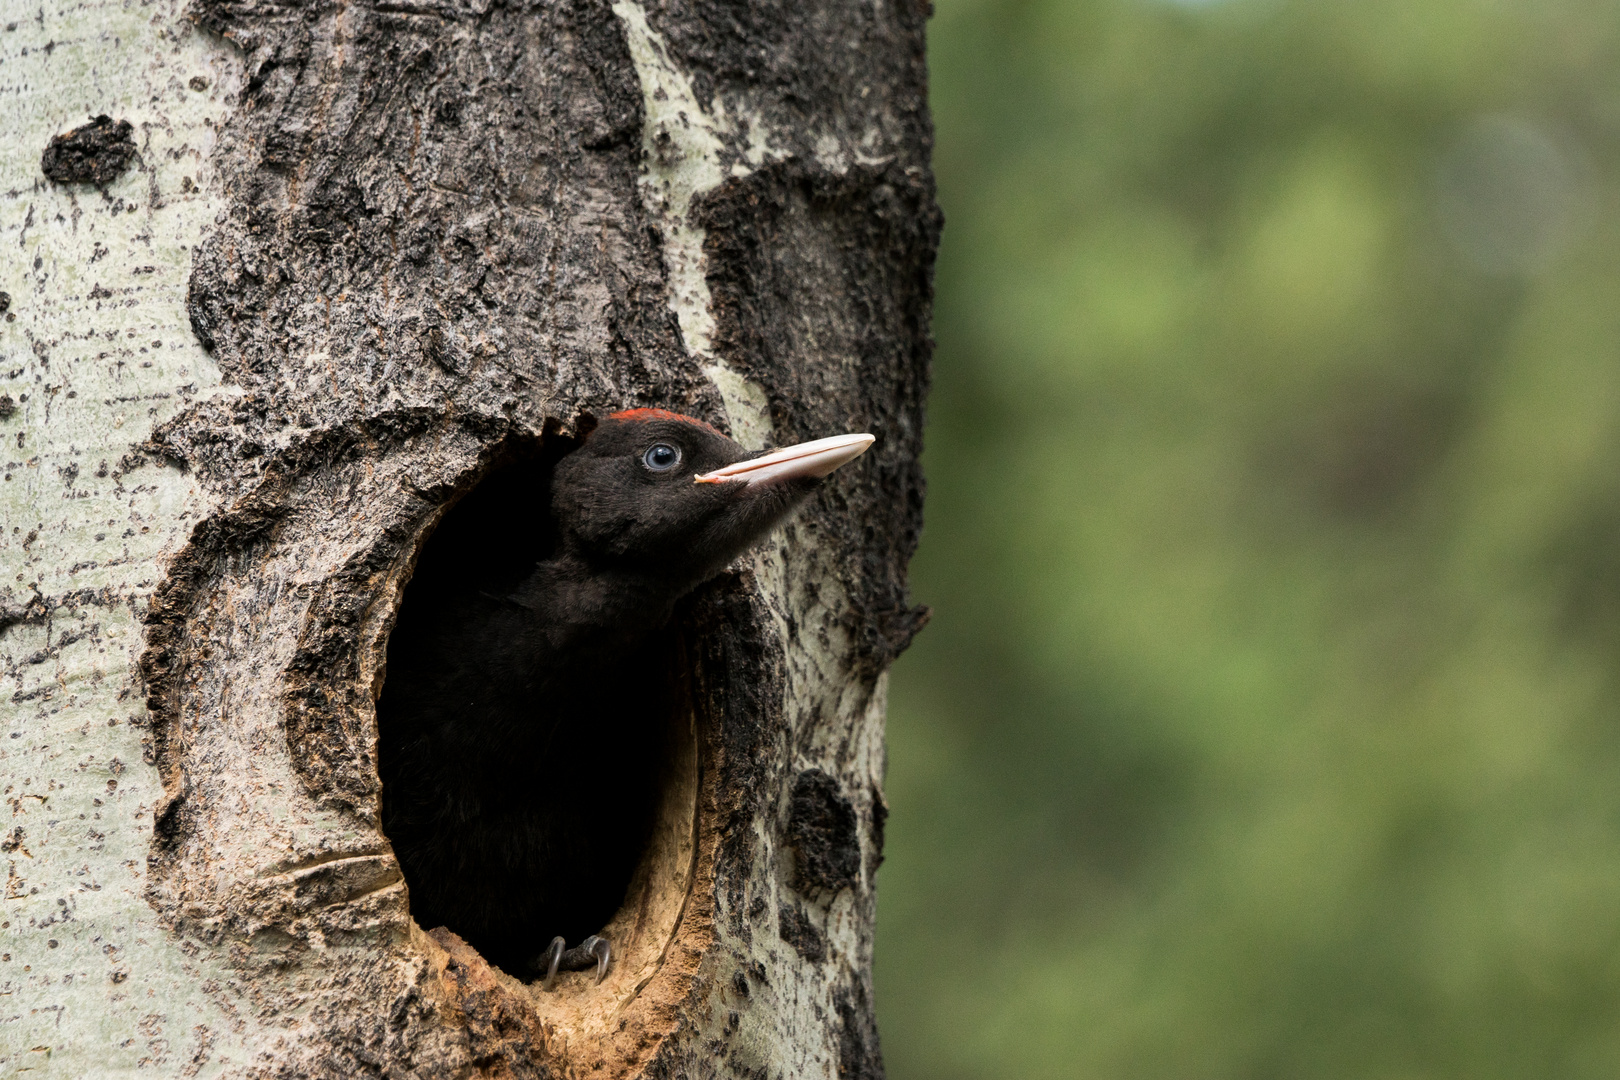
[{"x": 363, "y": 252}]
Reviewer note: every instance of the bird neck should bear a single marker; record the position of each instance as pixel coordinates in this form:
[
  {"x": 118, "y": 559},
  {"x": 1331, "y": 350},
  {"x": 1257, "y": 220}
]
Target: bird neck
[{"x": 578, "y": 603}]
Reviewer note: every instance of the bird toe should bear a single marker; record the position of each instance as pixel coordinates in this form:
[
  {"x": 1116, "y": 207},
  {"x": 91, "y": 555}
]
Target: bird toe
[
  {"x": 594, "y": 952},
  {"x": 550, "y": 960}
]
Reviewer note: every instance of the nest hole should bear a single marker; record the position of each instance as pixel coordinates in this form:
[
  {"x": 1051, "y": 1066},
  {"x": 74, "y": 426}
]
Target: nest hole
[{"x": 617, "y": 771}]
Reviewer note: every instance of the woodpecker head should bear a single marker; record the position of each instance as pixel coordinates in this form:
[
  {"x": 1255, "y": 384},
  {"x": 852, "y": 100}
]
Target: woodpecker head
[{"x": 656, "y": 491}]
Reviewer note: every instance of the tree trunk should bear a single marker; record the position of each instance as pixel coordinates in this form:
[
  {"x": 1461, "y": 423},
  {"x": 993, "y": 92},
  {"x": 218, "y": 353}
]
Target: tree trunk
[{"x": 360, "y": 255}]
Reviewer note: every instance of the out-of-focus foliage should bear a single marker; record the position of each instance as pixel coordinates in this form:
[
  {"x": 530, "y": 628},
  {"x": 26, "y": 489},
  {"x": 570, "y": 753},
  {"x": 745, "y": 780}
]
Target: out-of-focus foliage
[{"x": 1269, "y": 722}]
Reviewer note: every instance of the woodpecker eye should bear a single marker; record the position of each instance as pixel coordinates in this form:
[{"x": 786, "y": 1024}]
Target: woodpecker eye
[{"x": 661, "y": 457}]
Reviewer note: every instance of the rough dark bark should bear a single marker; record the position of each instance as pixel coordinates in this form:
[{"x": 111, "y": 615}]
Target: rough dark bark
[{"x": 440, "y": 247}]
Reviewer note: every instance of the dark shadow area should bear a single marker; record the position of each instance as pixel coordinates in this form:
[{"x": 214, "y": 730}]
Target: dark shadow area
[
  {"x": 548, "y": 818},
  {"x": 493, "y": 536}
]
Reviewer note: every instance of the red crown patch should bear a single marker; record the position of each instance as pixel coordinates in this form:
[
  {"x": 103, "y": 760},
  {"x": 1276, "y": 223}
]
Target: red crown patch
[{"x": 662, "y": 414}]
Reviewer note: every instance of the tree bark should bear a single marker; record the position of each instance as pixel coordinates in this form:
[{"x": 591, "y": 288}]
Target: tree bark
[{"x": 360, "y": 255}]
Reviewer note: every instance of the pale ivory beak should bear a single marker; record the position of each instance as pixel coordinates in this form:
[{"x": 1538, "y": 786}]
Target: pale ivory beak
[{"x": 803, "y": 461}]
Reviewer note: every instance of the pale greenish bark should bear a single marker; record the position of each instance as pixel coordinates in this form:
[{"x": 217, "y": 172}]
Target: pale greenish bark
[
  {"x": 97, "y": 351},
  {"x": 683, "y": 155}
]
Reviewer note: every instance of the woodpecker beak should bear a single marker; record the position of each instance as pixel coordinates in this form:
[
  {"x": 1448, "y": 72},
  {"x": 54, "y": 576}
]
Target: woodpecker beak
[{"x": 804, "y": 461}]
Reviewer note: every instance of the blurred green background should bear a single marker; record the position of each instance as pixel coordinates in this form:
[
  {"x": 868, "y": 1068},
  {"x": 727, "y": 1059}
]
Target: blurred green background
[{"x": 1269, "y": 721}]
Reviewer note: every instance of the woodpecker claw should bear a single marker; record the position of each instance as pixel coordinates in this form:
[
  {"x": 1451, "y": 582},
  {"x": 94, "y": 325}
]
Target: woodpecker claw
[
  {"x": 593, "y": 951},
  {"x": 552, "y": 957},
  {"x": 602, "y": 951}
]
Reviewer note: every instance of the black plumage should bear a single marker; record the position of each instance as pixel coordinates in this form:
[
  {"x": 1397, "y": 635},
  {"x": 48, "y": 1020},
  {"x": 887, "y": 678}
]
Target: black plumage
[{"x": 521, "y": 717}]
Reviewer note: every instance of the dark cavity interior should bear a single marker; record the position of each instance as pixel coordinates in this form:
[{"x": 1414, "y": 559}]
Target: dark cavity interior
[{"x": 547, "y": 818}]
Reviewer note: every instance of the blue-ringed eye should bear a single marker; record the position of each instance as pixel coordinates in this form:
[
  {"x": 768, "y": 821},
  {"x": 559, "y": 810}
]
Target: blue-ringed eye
[{"x": 661, "y": 457}]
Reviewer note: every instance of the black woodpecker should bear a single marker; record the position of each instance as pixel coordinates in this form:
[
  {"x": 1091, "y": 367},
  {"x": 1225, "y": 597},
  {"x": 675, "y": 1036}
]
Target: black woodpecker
[{"x": 519, "y": 729}]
